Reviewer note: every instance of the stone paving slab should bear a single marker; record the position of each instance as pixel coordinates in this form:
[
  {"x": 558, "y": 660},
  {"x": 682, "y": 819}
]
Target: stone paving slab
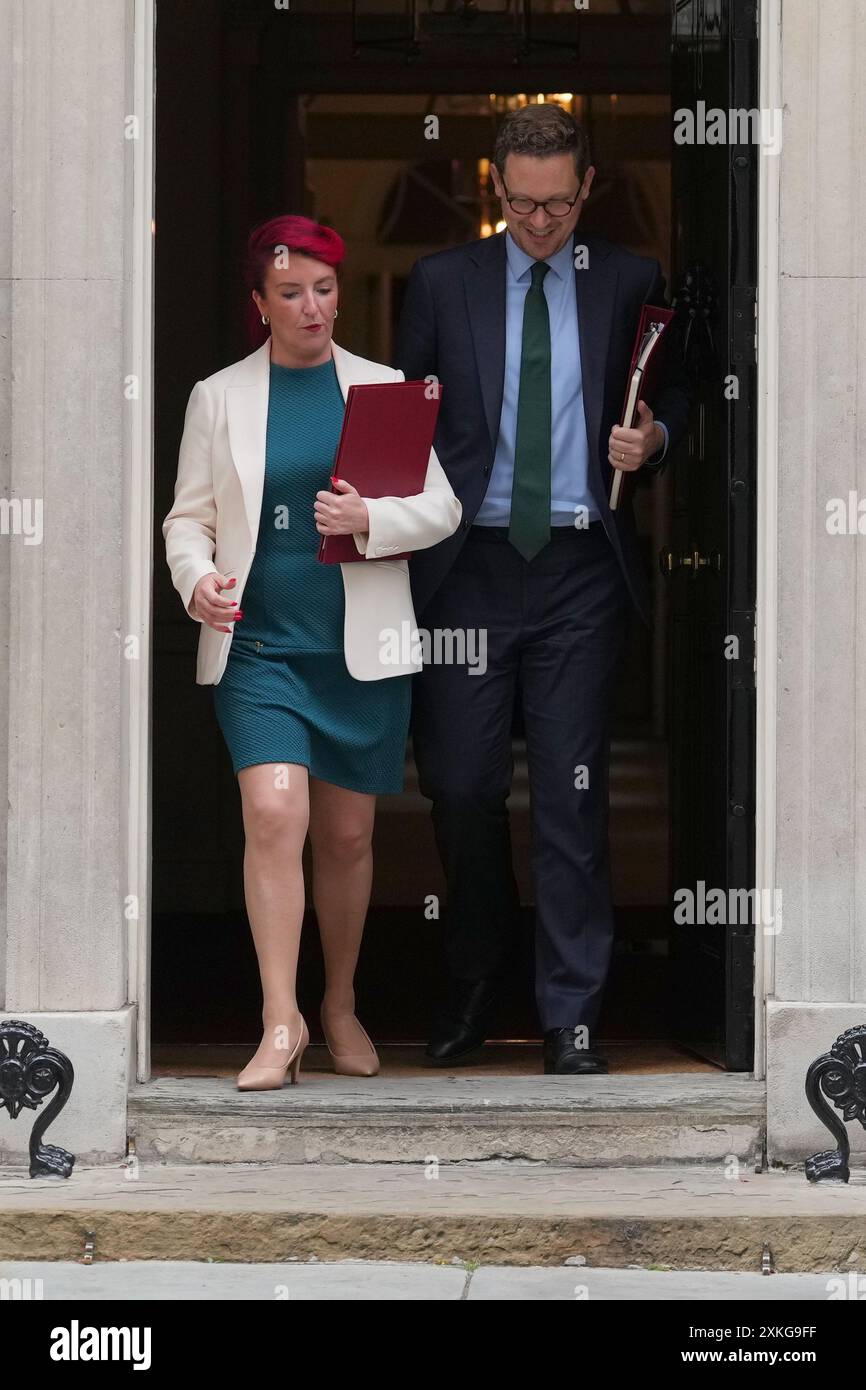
[
  {"x": 387, "y": 1281},
  {"x": 503, "y": 1284},
  {"x": 167, "y": 1281},
  {"x": 517, "y": 1214}
]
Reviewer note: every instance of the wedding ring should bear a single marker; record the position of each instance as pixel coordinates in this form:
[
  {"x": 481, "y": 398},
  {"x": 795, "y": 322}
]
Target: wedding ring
[{"x": 622, "y": 458}]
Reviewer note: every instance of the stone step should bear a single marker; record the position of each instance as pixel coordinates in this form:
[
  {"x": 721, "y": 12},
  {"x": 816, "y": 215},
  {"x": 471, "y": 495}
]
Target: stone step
[
  {"x": 694, "y": 1217},
  {"x": 575, "y": 1121}
]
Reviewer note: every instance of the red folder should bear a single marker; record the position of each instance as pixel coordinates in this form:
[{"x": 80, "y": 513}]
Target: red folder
[
  {"x": 384, "y": 449},
  {"x": 643, "y": 377}
]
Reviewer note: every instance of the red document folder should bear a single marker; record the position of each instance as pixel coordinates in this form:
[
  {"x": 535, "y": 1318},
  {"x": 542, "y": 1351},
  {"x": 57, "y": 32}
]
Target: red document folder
[
  {"x": 384, "y": 449},
  {"x": 643, "y": 375}
]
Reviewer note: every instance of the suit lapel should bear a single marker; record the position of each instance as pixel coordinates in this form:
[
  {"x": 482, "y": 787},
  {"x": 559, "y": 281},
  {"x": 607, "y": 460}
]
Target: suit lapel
[
  {"x": 595, "y": 291},
  {"x": 484, "y": 282}
]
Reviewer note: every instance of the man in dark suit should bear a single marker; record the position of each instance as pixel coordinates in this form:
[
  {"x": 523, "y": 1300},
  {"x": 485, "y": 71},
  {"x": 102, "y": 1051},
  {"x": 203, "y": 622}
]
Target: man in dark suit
[{"x": 530, "y": 333}]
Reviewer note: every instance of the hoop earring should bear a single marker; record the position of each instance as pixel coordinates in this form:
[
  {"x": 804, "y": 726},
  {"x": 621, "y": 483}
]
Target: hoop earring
[
  {"x": 265, "y": 318},
  {"x": 336, "y": 312}
]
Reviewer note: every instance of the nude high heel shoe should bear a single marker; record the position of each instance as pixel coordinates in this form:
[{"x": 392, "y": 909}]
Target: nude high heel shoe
[
  {"x": 352, "y": 1063},
  {"x": 255, "y": 1078}
]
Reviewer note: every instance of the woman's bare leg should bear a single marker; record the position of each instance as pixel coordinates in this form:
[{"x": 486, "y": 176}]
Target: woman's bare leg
[
  {"x": 276, "y": 811},
  {"x": 341, "y": 832}
]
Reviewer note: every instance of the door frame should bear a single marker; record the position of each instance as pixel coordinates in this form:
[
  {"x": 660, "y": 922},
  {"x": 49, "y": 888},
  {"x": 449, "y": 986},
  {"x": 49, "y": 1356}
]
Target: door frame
[
  {"x": 767, "y": 578},
  {"x": 138, "y": 540},
  {"x": 139, "y": 523}
]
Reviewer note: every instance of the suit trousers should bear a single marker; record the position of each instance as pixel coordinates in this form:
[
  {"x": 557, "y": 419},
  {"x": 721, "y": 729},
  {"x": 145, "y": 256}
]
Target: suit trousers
[{"x": 551, "y": 632}]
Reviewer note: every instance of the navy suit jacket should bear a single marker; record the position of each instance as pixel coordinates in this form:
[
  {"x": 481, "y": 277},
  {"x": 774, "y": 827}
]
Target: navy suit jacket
[{"x": 452, "y": 326}]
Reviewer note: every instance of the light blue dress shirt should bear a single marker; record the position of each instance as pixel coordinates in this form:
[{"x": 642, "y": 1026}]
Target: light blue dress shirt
[{"x": 569, "y": 476}]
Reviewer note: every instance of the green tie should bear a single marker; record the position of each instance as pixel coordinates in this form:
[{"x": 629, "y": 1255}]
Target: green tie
[{"x": 529, "y": 527}]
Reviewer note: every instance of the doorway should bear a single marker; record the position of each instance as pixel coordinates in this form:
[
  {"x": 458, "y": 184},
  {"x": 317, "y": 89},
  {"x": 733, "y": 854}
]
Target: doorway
[{"x": 323, "y": 111}]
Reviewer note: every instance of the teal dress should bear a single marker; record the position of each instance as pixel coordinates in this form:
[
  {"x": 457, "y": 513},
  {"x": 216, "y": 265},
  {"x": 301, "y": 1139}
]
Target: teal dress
[{"x": 286, "y": 695}]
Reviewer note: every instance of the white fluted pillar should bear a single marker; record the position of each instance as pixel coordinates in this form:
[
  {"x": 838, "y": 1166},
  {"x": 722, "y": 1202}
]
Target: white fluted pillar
[
  {"x": 818, "y": 983},
  {"x": 66, "y": 76}
]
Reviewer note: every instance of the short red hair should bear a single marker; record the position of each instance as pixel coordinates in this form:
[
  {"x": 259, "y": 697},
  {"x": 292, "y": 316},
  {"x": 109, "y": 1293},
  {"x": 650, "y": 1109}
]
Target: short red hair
[{"x": 298, "y": 234}]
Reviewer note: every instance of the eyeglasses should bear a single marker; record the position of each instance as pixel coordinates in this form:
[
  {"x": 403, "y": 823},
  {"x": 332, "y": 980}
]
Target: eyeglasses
[{"x": 554, "y": 207}]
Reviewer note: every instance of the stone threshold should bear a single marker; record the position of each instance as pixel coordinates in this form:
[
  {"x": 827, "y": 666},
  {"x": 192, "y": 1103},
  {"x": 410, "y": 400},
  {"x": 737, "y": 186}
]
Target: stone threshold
[
  {"x": 693, "y": 1217},
  {"x": 328, "y": 1119}
]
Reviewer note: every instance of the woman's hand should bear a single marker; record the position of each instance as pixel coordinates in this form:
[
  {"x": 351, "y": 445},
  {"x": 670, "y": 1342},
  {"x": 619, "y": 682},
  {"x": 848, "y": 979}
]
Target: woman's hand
[
  {"x": 341, "y": 513},
  {"x": 208, "y": 605}
]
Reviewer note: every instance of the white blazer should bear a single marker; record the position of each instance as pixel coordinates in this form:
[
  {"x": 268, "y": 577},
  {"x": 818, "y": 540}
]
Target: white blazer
[{"x": 214, "y": 523}]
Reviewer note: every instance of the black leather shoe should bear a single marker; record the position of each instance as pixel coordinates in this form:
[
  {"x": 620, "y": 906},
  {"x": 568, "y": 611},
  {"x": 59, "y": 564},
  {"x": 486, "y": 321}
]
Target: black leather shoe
[
  {"x": 563, "y": 1058},
  {"x": 462, "y": 1023}
]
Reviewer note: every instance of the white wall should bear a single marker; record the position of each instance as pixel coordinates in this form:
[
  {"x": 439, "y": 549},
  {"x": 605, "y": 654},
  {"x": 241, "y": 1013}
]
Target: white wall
[
  {"x": 64, "y": 76},
  {"x": 819, "y": 969}
]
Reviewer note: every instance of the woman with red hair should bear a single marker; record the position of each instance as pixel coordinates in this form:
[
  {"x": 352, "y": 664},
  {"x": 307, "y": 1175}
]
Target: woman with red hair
[{"x": 314, "y": 715}]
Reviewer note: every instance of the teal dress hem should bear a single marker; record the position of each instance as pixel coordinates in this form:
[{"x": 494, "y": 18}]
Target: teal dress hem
[{"x": 286, "y": 695}]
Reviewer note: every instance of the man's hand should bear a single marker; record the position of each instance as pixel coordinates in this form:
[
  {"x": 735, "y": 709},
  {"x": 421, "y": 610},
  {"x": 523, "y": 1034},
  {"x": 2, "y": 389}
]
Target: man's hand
[
  {"x": 340, "y": 515},
  {"x": 629, "y": 450}
]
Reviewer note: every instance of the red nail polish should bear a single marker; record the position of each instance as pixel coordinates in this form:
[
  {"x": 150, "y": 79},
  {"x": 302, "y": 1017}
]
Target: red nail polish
[{"x": 335, "y": 481}]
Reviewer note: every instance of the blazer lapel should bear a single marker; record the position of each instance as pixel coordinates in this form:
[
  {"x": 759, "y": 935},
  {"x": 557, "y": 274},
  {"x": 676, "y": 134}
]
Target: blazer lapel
[
  {"x": 352, "y": 370},
  {"x": 247, "y": 417},
  {"x": 485, "y": 295},
  {"x": 247, "y": 421}
]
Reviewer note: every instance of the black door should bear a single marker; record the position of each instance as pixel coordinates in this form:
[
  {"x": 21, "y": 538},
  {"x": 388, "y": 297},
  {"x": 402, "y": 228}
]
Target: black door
[{"x": 710, "y": 561}]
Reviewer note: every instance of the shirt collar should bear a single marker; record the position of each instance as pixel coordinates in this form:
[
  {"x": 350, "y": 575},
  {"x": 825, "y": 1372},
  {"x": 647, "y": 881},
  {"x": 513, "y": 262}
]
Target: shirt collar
[{"x": 520, "y": 264}]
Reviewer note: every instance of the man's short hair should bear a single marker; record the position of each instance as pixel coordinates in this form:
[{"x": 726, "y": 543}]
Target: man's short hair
[{"x": 542, "y": 130}]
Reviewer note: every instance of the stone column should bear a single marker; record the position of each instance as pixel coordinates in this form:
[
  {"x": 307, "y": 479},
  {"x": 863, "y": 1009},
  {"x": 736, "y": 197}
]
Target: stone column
[
  {"x": 65, "y": 76},
  {"x": 819, "y": 985}
]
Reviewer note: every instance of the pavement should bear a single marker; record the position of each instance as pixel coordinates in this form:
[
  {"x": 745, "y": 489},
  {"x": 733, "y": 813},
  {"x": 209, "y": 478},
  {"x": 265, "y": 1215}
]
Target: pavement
[{"x": 391, "y": 1281}]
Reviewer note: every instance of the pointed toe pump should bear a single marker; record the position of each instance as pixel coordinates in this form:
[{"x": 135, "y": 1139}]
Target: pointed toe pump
[
  {"x": 257, "y": 1078},
  {"x": 361, "y": 1063}
]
